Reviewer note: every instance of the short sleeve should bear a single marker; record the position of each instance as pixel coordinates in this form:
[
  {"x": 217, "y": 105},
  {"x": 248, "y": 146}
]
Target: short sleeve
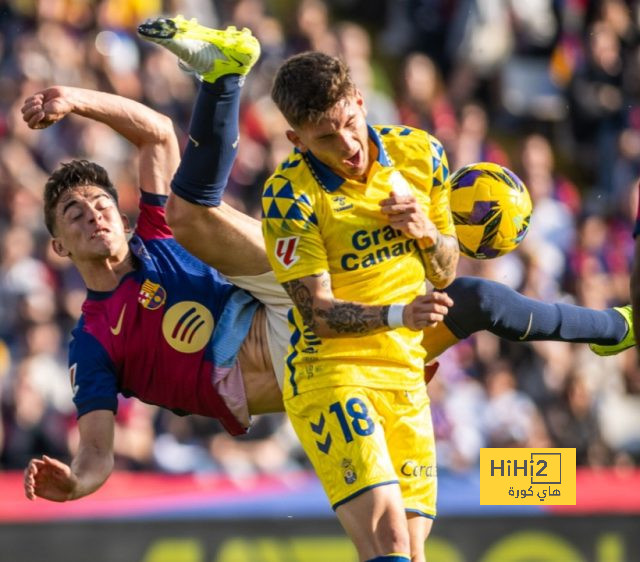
[
  {"x": 294, "y": 243},
  {"x": 440, "y": 207},
  {"x": 152, "y": 222},
  {"x": 93, "y": 378}
]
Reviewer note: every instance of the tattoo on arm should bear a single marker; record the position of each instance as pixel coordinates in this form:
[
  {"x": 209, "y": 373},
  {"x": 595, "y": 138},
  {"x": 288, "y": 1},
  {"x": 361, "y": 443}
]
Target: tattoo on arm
[
  {"x": 354, "y": 318},
  {"x": 441, "y": 260},
  {"x": 346, "y": 318},
  {"x": 301, "y": 297}
]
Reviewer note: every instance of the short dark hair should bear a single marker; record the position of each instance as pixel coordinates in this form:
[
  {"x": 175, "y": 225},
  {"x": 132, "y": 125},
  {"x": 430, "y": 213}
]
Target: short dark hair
[
  {"x": 307, "y": 85},
  {"x": 71, "y": 175}
]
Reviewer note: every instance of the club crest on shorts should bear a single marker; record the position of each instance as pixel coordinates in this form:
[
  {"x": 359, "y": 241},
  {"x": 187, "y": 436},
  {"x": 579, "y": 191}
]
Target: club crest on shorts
[
  {"x": 286, "y": 250},
  {"x": 349, "y": 471}
]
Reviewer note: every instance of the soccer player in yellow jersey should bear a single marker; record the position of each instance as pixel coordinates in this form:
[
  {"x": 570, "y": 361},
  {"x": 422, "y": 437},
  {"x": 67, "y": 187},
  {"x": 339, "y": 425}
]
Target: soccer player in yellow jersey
[{"x": 354, "y": 220}]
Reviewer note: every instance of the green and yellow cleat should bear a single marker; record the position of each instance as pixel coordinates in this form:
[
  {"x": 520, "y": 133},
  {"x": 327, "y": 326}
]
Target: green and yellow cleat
[
  {"x": 628, "y": 340},
  {"x": 211, "y": 53}
]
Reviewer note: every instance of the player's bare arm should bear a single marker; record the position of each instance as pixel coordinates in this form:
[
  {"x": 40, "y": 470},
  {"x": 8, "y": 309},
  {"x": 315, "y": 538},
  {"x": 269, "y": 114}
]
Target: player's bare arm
[
  {"x": 55, "y": 481},
  {"x": 441, "y": 260},
  {"x": 333, "y": 318},
  {"x": 151, "y": 132},
  {"x": 439, "y": 251}
]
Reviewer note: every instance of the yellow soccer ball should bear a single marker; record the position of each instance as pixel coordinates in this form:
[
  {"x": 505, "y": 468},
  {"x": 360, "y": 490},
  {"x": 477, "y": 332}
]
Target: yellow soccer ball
[{"x": 491, "y": 210}]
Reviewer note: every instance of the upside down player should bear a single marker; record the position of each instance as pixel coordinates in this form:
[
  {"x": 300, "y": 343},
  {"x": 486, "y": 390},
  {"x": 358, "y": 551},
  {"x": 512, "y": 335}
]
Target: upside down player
[
  {"x": 221, "y": 237},
  {"x": 157, "y": 323}
]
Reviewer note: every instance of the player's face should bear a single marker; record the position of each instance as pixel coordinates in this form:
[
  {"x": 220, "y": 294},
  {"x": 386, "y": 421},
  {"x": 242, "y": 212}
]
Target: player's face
[
  {"x": 89, "y": 226},
  {"x": 340, "y": 140}
]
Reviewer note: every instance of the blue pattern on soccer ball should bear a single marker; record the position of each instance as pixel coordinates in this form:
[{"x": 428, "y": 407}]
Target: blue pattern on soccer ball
[{"x": 491, "y": 209}]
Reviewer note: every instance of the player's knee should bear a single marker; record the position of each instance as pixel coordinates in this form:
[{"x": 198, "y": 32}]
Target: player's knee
[
  {"x": 393, "y": 537},
  {"x": 184, "y": 219},
  {"x": 177, "y": 212}
]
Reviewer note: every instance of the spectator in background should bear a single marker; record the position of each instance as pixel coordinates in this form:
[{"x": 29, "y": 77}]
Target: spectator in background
[
  {"x": 573, "y": 421},
  {"x": 313, "y": 29},
  {"x": 539, "y": 170},
  {"x": 510, "y": 417},
  {"x": 480, "y": 42},
  {"x": 355, "y": 48},
  {"x": 21, "y": 276},
  {"x": 198, "y": 444},
  {"x": 598, "y": 104},
  {"x": 552, "y": 229},
  {"x": 473, "y": 143},
  {"x": 598, "y": 264},
  {"x": 457, "y": 403},
  {"x": 31, "y": 424},
  {"x": 423, "y": 101}
]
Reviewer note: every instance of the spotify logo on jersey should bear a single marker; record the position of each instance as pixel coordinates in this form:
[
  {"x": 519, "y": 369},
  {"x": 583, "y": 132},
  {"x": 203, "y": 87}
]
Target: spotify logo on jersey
[{"x": 187, "y": 326}]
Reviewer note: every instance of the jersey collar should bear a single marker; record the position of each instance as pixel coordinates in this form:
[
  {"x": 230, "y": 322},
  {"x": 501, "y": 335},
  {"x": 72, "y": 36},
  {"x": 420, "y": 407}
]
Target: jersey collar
[{"x": 328, "y": 179}]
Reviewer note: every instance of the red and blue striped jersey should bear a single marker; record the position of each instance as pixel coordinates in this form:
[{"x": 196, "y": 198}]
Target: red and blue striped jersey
[{"x": 171, "y": 328}]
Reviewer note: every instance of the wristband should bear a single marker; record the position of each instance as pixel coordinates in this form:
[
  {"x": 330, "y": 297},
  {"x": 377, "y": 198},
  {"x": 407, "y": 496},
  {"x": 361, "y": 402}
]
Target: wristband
[{"x": 394, "y": 316}]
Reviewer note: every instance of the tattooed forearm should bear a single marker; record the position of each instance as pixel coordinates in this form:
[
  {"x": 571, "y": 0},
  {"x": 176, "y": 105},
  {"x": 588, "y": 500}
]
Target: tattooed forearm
[
  {"x": 301, "y": 297},
  {"x": 441, "y": 261},
  {"x": 351, "y": 318},
  {"x": 328, "y": 317}
]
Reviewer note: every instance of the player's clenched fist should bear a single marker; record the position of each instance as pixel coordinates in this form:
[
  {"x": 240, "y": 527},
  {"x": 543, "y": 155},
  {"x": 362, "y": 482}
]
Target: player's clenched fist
[
  {"x": 47, "y": 107},
  {"x": 406, "y": 214},
  {"x": 426, "y": 310}
]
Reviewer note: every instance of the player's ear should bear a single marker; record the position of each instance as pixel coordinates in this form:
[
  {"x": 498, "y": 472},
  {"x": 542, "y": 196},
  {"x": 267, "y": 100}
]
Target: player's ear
[
  {"x": 126, "y": 223},
  {"x": 360, "y": 101},
  {"x": 294, "y": 139},
  {"x": 59, "y": 249}
]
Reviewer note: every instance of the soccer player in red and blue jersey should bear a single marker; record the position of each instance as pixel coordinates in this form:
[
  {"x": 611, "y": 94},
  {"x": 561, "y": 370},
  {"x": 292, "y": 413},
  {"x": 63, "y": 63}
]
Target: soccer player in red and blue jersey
[{"x": 157, "y": 323}]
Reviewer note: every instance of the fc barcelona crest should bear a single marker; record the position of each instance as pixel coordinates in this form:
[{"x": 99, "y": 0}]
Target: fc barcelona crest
[{"x": 151, "y": 295}]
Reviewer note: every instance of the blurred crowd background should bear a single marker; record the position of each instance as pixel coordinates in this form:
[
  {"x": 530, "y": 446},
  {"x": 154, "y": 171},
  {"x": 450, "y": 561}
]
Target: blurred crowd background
[{"x": 549, "y": 88}]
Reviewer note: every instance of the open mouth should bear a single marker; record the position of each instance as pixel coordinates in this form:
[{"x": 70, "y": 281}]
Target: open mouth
[
  {"x": 355, "y": 161},
  {"x": 100, "y": 233}
]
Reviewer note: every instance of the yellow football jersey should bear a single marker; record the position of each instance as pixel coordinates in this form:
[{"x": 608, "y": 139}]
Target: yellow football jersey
[{"x": 316, "y": 221}]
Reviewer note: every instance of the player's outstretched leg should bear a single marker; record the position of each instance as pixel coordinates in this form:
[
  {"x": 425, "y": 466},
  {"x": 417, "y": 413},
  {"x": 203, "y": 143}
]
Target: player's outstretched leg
[
  {"x": 480, "y": 304},
  {"x": 195, "y": 210},
  {"x": 211, "y": 53},
  {"x": 628, "y": 341}
]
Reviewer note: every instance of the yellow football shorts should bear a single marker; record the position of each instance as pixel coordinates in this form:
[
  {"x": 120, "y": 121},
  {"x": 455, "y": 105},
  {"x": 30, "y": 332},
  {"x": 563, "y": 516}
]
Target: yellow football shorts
[{"x": 359, "y": 438}]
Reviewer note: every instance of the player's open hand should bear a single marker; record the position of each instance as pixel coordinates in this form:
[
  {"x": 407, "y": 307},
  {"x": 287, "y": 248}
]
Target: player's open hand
[
  {"x": 47, "y": 107},
  {"x": 426, "y": 310},
  {"x": 407, "y": 215},
  {"x": 49, "y": 479}
]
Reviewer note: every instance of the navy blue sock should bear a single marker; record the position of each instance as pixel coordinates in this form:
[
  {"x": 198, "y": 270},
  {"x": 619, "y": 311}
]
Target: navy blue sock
[
  {"x": 487, "y": 305},
  {"x": 213, "y": 143}
]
